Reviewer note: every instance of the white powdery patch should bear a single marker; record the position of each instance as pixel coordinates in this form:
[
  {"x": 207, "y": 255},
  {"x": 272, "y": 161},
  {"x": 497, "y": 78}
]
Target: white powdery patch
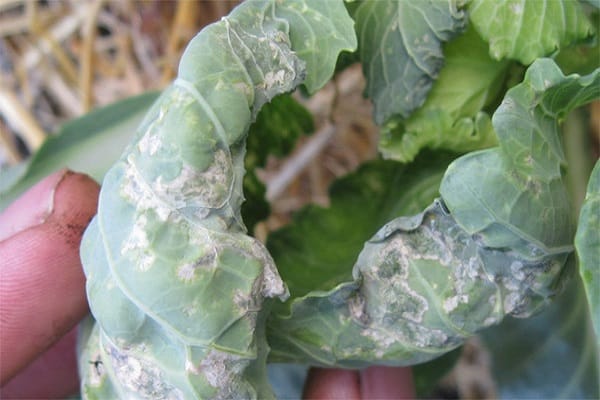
[
  {"x": 511, "y": 301},
  {"x": 400, "y": 253},
  {"x": 210, "y": 188},
  {"x": 138, "y": 237},
  {"x": 516, "y": 269},
  {"x": 187, "y": 271},
  {"x": 140, "y": 376},
  {"x": 466, "y": 273},
  {"x": 203, "y": 189},
  {"x": 244, "y": 301},
  {"x": 382, "y": 339},
  {"x": 137, "y": 192},
  {"x": 511, "y": 284},
  {"x": 274, "y": 79},
  {"x": 442, "y": 252},
  {"x": 136, "y": 245},
  {"x": 271, "y": 284},
  {"x": 249, "y": 304},
  {"x": 223, "y": 371},
  {"x": 149, "y": 144},
  {"x": 424, "y": 337},
  {"x": 270, "y": 54},
  {"x": 411, "y": 333},
  {"x": 191, "y": 309},
  {"x": 451, "y": 303}
]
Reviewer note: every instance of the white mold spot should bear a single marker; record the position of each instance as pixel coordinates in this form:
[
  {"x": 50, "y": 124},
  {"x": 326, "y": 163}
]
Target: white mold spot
[
  {"x": 243, "y": 88},
  {"x": 139, "y": 376},
  {"x": 399, "y": 253},
  {"x": 511, "y": 302},
  {"x": 136, "y": 245},
  {"x": 222, "y": 370},
  {"x": 425, "y": 337},
  {"x": 186, "y": 272},
  {"x": 191, "y": 309},
  {"x": 274, "y": 79},
  {"x": 382, "y": 339},
  {"x": 272, "y": 284},
  {"x": 136, "y": 191},
  {"x": 149, "y": 144},
  {"x": 516, "y": 268},
  {"x": 450, "y": 304},
  {"x": 209, "y": 188},
  {"x": 190, "y": 368}
]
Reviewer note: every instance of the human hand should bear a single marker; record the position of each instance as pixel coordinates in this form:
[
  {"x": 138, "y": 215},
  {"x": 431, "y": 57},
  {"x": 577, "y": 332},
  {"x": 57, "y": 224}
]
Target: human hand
[{"x": 42, "y": 286}]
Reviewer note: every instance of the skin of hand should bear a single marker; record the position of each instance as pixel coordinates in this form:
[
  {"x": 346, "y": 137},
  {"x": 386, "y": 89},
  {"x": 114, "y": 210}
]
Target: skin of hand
[
  {"x": 42, "y": 298},
  {"x": 42, "y": 286},
  {"x": 371, "y": 383}
]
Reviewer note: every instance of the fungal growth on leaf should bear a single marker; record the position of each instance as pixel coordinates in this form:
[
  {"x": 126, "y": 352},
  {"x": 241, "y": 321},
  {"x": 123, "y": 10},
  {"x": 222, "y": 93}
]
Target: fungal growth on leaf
[
  {"x": 498, "y": 242},
  {"x": 175, "y": 284},
  {"x": 180, "y": 293}
]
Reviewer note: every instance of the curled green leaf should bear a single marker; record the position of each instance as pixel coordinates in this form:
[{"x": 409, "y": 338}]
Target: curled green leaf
[
  {"x": 514, "y": 195},
  {"x": 497, "y": 243},
  {"x": 400, "y": 45},
  {"x": 422, "y": 285},
  {"x": 176, "y": 286},
  {"x": 454, "y": 115}
]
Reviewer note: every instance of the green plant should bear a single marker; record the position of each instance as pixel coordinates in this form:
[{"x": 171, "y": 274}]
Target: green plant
[{"x": 188, "y": 305}]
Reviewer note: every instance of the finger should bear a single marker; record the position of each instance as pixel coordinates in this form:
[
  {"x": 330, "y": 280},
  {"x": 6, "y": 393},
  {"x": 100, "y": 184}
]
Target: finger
[
  {"x": 53, "y": 375},
  {"x": 330, "y": 383},
  {"x": 42, "y": 293},
  {"x": 386, "y": 383},
  {"x": 32, "y": 208}
]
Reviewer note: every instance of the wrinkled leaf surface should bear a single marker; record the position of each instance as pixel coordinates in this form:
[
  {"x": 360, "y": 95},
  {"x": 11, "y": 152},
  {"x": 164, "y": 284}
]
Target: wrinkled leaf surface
[
  {"x": 400, "y": 45},
  {"x": 524, "y": 30},
  {"x": 454, "y": 115}
]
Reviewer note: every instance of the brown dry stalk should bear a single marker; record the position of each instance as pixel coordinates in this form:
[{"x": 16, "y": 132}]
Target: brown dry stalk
[
  {"x": 86, "y": 72},
  {"x": 182, "y": 29},
  {"x": 21, "y": 120}
]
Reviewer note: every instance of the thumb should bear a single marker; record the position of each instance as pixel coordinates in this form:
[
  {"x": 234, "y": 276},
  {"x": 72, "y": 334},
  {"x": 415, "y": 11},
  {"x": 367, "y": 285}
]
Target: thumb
[{"x": 42, "y": 286}]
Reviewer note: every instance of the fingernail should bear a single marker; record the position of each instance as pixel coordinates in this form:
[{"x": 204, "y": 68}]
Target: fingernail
[{"x": 33, "y": 207}]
